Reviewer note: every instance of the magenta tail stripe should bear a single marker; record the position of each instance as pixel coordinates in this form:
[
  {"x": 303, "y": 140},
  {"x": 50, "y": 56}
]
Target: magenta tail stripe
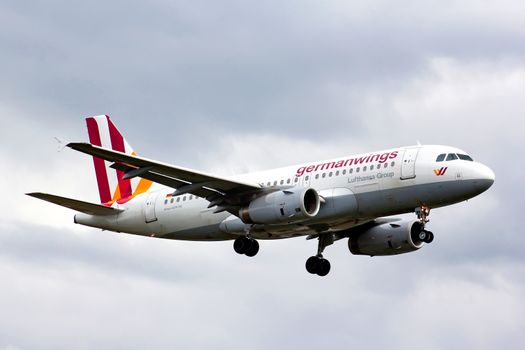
[
  {"x": 100, "y": 167},
  {"x": 117, "y": 143}
]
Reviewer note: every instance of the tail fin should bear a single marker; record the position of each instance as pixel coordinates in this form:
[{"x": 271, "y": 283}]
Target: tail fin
[{"x": 111, "y": 185}]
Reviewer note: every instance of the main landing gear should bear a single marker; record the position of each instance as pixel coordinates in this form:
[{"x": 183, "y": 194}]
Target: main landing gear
[
  {"x": 422, "y": 214},
  {"x": 317, "y": 265},
  {"x": 246, "y": 245}
]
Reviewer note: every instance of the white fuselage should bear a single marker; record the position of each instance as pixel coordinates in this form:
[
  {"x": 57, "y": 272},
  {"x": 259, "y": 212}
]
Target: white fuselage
[{"x": 354, "y": 190}]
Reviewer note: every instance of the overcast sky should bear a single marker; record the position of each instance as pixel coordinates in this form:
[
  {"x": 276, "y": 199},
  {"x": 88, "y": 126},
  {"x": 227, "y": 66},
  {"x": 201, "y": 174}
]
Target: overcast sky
[{"x": 234, "y": 86}]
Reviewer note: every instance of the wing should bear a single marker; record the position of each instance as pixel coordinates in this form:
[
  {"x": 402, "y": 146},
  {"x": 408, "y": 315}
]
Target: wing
[
  {"x": 81, "y": 206},
  {"x": 216, "y": 189}
]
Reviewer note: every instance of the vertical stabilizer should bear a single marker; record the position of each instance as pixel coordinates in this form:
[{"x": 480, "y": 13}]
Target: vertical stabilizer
[{"x": 111, "y": 185}]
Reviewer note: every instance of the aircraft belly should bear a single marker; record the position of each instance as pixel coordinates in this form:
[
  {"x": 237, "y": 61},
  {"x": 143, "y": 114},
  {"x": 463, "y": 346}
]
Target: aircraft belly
[
  {"x": 192, "y": 223},
  {"x": 201, "y": 233},
  {"x": 343, "y": 208},
  {"x": 406, "y": 199}
]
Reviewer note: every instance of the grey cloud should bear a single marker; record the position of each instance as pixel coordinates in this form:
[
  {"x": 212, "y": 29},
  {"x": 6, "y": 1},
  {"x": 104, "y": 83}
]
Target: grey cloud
[
  {"x": 162, "y": 261},
  {"x": 189, "y": 64},
  {"x": 83, "y": 297}
]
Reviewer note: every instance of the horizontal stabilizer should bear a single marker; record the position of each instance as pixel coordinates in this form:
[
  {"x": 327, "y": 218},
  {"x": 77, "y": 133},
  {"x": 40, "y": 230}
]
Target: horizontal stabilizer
[{"x": 81, "y": 206}]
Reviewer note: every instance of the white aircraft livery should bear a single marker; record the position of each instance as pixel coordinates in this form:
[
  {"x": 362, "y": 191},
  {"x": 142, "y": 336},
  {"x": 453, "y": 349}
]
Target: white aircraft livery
[{"x": 342, "y": 198}]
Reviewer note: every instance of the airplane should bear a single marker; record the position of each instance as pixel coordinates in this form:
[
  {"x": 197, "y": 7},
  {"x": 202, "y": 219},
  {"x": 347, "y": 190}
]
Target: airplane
[{"x": 350, "y": 197}]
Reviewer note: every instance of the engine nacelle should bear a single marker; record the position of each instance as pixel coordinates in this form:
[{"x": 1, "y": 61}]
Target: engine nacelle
[
  {"x": 290, "y": 205},
  {"x": 387, "y": 239}
]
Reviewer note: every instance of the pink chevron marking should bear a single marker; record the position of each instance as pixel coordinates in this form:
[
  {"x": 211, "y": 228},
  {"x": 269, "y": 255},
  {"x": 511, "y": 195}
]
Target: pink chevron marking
[
  {"x": 100, "y": 167},
  {"x": 117, "y": 143}
]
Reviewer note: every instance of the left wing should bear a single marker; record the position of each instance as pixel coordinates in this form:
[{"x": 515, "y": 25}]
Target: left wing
[
  {"x": 216, "y": 189},
  {"x": 75, "y": 204}
]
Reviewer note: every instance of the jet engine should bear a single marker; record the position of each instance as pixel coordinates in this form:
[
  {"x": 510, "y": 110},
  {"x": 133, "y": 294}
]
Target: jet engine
[
  {"x": 388, "y": 239},
  {"x": 290, "y": 205}
]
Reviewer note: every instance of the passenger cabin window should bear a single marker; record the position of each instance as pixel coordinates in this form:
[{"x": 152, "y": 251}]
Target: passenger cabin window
[
  {"x": 451, "y": 156},
  {"x": 465, "y": 157},
  {"x": 441, "y": 157}
]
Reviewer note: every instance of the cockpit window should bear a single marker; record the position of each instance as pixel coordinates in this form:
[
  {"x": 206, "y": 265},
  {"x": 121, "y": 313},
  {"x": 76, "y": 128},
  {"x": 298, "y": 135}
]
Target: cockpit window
[
  {"x": 452, "y": 156},
  {"x": 465, "y": 157},
  {"x": 441, "y": 157}
]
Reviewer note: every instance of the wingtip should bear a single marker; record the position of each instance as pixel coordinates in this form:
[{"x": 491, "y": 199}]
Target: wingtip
[
  {"x": 73, "y": 144},
  {"x": 37, "y": 195}
]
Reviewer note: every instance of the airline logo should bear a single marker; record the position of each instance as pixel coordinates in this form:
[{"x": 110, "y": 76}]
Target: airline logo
[
  {"x": 111, "y": 183},
  {"x": 440, "y": 172}
]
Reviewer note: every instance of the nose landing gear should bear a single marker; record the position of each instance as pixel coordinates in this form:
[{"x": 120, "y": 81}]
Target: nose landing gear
[{"x": 422, "y": 214}]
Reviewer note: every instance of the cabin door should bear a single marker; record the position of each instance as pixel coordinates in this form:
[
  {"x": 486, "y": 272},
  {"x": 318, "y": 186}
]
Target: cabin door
[{"x": 408, "y": 165}]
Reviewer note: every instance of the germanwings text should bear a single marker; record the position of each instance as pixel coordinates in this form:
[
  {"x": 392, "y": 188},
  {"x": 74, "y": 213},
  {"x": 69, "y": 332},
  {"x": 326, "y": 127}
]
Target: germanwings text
[{"x": 380, "y": 158}]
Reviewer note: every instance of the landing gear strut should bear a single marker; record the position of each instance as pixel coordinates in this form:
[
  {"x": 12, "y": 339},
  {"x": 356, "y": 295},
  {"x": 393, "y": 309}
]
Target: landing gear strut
[
  {"x": 246, "y": 245},
  {"x": 317, "y": 265},
  {"x": 422, "y": 214}
]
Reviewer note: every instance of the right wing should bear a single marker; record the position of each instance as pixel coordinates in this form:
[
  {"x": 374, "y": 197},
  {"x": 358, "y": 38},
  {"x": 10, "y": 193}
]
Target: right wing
[{"x": 218, "y": 190}]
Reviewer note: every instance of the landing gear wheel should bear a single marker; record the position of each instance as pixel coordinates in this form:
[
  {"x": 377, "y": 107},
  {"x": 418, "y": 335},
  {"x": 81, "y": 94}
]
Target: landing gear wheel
[
  {"x": 423, "y": 236},
  {"x": 246, "y": 246},
  {"x": 241, "y": 245},
  {"x": 253, "y": 249},
  {"x": 426, "y": 236},
  {"x": 311, "y": 264},
  {"x": 317, "y": 266},
  {"x": 430, "y": 237},
  {"x": 323, "y": 267}
]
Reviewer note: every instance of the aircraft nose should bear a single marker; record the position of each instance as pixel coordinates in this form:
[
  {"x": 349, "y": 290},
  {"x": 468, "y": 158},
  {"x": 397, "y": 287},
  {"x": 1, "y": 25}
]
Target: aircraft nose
[{"x": 485, "y": 177}]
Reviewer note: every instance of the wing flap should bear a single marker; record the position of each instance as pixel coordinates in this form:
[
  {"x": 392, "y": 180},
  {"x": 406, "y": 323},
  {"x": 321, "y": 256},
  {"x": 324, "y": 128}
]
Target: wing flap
[
  {"x": 199, "y": 191},
  {"x": 81, "y": 206}
]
